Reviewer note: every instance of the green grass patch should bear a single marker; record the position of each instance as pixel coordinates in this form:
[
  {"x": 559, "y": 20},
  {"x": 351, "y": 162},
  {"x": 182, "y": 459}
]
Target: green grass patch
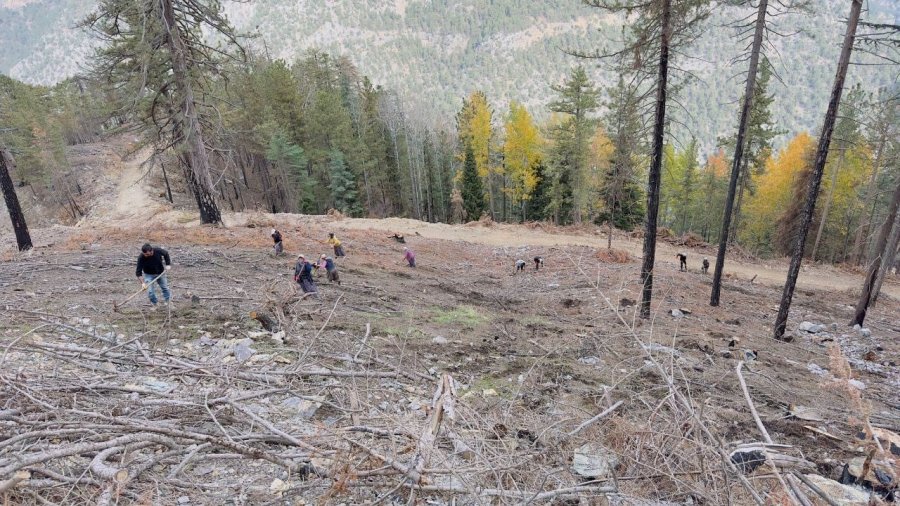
[{"x": 465, "y": 316}]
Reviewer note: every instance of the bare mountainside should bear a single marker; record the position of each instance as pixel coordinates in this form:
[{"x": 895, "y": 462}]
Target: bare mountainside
[{"x": 436, "y": 52}]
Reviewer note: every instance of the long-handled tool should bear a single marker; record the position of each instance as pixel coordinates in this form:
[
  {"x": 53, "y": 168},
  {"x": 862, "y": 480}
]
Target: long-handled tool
[{"x": 135, "y": 294}]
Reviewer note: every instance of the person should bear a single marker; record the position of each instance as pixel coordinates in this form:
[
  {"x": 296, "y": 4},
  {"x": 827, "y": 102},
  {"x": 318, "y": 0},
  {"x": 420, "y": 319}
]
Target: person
[
  {"x": 398, "y": 237},
  {"x": 538, "y": 262},
  {"x": 705, "y": 265},
  {"x": 279, "y": 246},
  {"x": 410, "y": 257},
  {"x": 334, "y": 241},
  {"x": 320, "y": 265},
  {"x": 520, "y": 265},
  {"x": 152, "y": 265},
  {"x": 331, "y": 270},
  {"x": 303, "y": 275},
  {"x": 682, "y": 259}
]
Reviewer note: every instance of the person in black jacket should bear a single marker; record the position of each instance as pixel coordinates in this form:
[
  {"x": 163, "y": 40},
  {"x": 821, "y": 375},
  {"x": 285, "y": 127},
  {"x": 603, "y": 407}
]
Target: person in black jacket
[
  {"x": 279, "y": 246},
  {"x": 152, "y": 264}
]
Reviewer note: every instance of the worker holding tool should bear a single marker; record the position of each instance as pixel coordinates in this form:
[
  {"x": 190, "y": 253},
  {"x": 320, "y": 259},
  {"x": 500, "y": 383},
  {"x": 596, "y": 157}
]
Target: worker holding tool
[{"x": 152, "y": 266}]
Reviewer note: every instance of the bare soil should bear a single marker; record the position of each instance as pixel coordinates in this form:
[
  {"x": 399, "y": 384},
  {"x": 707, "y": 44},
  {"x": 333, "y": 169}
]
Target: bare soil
[{"x": 531, "y": 355}]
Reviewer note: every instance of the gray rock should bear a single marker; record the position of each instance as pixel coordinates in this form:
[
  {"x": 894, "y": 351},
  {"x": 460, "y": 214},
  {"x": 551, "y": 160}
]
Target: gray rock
[
  {"x": 242, "y": 350},
  {"x": 305, "y": 408},
  {"x": 589, "y": 360},
  {"x": 184, "y": 499},
  {"x": 815, "y": 369},
  {"x": 865, "y": 332},
  {"x": 594, "y": 460},
  {"x": 810, "y": 327},
  {"x": 439, "y": 340},
  {"x": 844, "y": 495},
  {"x": 677, "y": 313}
]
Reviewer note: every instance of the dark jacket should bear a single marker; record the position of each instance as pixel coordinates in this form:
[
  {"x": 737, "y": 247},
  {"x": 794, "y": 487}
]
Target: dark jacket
[
  {"x": 153, "y": 265},
  {"x": 303, "y": 270},
  {"x": 276, "y": 237}
]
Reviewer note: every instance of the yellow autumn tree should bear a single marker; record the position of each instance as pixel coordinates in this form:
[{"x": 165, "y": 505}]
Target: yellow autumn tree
[
  {"x": 473, "y": 125},
  {"x": 855, "y": 167},
  {"x": 774, "y": 191},
  {"x": 589, "y": 184},
  {"x": 521, "y": 153}
]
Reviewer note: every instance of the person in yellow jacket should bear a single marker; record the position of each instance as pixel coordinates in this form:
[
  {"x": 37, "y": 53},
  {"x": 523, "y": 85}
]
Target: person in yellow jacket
[{"x": 334, "y": 241}]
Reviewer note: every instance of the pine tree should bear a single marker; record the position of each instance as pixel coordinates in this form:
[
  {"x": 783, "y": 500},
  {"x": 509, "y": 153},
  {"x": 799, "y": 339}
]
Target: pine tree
[
  {"x": 571, "y": 141},
  {"x": 623, "y": 200},
  {"x": 343, "y": 185},
  {"x": 154, "y": 56},
  {"x": 472, "y": 191}
]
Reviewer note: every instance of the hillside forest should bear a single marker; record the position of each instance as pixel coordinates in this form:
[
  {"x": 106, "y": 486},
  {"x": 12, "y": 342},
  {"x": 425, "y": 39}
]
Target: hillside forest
[{"x": 312, "y": 134}]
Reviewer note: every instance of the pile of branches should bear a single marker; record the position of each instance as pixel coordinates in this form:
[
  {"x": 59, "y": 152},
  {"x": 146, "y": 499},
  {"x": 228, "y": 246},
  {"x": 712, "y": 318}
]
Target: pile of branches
[{"x": 99, "y": 418}]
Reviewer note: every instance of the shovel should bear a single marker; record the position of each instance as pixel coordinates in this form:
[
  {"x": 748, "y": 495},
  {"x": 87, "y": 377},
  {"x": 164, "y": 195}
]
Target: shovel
[{"x": 135, "y": 294}]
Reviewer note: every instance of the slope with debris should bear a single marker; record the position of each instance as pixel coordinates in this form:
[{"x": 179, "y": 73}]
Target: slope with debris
[{"x": 459, "y": 381}]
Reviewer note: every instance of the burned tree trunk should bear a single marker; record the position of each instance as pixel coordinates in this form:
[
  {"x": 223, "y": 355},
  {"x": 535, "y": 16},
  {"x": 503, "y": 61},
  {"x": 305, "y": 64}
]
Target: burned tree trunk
[
  {"x": 875, "y": 263},
  {"x": 195, "y": 155},
  {"x": 887, "y": 260},
  {"x": 818, "y": 168},
  {"x": 656, "y": 162},
  {"x": 749, "y": 91},
  {"x": 23, "y": 238}
]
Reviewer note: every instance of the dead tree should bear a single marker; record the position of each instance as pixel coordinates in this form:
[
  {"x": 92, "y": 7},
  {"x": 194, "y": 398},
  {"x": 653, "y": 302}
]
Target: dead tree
[
  {"x": 815, "y": 181},
  {"x": 23, "y": 238},
  {"x": 749, "y": 91},
  {"x": 875, "y": 263}
]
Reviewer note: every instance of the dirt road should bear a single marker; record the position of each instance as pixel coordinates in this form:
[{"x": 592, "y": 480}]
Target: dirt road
[{"x": 771, "y": 272}]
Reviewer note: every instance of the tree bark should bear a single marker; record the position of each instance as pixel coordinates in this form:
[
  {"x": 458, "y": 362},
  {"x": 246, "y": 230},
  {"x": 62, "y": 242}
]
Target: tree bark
[
  {"x": 828, "y": 200},
  {"x": 195, "y": 150},
  {"x": 887, "y": 260},
  {"x": 749, "y": 90},
  {"x": 23, "y": 238},
  {"x": 818, "y": 168},
  {"x": 656, "y": 162},
  {"x": 166, "y": 179},
  {"x": 875, "y": 263}
]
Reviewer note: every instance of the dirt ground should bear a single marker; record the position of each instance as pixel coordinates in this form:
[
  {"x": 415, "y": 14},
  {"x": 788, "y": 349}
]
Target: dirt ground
[{"x": 532, "y": 356}]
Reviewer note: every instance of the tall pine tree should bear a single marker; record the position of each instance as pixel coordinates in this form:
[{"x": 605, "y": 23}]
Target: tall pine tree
[{"x": 472, "y": 190}]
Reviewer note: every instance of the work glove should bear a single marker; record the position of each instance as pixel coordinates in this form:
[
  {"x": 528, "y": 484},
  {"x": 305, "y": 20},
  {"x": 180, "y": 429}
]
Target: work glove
[
  {"x": 168, "y": 267},
  {"x": 143, "y": 285}
]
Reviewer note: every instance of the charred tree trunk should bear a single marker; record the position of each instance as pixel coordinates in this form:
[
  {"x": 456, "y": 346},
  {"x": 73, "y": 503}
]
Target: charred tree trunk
[
  {"x": 194, "y": 148},
  {"x": 749, "y": 90},
  {"x": 168, "y": 188},
  {"x": 23, "y": 238},
  {"x": 656, "y": 163},
  {"x": 875, "y": 263},
  {"x": 887, "y": 260},
  {"x": 818, "y": 168}
]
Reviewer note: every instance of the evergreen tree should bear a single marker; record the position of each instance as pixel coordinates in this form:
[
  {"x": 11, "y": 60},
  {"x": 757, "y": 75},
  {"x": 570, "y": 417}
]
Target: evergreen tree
[
  {"x": 472, "y": 191},
  {"x": 536, "y": 207},
  {"x": 342, "y": 185},
  {"x": 571, "y": 141},
  {"x": 623, "y": 200},
  {"x": 289, "y": 157}
]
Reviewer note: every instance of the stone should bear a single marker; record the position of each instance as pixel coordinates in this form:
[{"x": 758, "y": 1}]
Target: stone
[
  {"x": 750, "y": 355},
  {"x": 805, "y": 413},
  {"x": 439, "y": 340},
  {"x": 589, "y": 360},
  {"x": 278, "y": 486},
  {"x": 184, "y": 499},
  {"x": 843, "y": 495},
  {"x": 810, "y": 327},
  {"x": 489, "y": 392},
  {"x": 677, "y": 313},
  {"x": 305, "y": 408},
  {"x": 242, "y": 350},
  {"x": 593, "y": 460},
  {"x": 816, "y": 369},
  {"x": 865, "y": 332},
  {"x": 855, "y": 383}
]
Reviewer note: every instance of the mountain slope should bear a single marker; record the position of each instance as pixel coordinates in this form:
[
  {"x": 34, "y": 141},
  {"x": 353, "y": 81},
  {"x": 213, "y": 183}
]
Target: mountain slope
[{"x": 435, "y": 52}]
